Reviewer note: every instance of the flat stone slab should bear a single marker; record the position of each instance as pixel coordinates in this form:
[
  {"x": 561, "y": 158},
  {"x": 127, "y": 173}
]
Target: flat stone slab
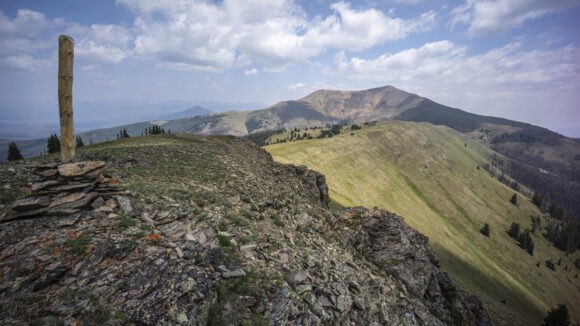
[
  {"x": 84, "y": 201},
  {"x": 48, "y": 173},
  {"x": 78, "y": 168},
  {"x": 30, "y": 203},
  {"x": 68, "y": 199},
  {"x": 45, "y": 165},
  {"x": 13, "y": 215},
  {"x": 71, "y": 186},
  {"x": 41, "y": 185}
]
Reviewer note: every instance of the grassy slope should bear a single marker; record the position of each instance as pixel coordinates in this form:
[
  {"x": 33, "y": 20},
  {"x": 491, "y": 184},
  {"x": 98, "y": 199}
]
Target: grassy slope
[{"x": 427, "y": 174}]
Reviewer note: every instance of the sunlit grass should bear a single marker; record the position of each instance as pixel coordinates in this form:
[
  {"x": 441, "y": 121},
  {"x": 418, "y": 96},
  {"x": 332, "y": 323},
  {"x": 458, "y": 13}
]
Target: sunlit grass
[{"x": 428, "y": 174}]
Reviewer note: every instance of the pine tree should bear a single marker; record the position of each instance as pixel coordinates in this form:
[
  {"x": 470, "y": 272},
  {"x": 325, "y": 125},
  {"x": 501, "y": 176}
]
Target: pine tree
[
  {"x": 485, "y": 230},
  {"x": 526, "y": 241},
  {"x": 557, "y": 317},
  {"x": 79, "y": 142},
  {"x": 536, "y": 223},
  {"x": 537, "y": 200},
  {"x": 550, "y": 264},
  {"x": 514, "y": 231},
  {"x": 53, "y": 145},
  {"x": 514, "y": 199},
  {"x": 13, "y": 152},
  {"x": 530, "y": 248}
]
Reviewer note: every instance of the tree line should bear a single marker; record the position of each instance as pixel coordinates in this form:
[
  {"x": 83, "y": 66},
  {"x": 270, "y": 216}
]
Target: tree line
[{"x": 53, "y": 142}]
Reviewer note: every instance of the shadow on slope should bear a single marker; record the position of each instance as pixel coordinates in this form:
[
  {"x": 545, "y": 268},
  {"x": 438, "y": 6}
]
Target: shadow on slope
[{"x": 508, "y": 302}]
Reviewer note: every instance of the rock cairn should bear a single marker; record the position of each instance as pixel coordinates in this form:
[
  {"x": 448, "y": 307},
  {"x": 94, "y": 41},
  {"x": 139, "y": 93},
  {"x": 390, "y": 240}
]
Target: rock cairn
[{"x": 65, "y": 189}]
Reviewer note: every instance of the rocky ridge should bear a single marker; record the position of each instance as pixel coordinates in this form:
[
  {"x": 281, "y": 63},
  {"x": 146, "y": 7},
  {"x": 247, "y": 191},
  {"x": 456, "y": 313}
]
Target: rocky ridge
[{"x": 243, "y": 240}]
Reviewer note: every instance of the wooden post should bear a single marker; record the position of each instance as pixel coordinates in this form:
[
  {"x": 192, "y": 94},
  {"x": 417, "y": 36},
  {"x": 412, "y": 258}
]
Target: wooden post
[{"x": 65, "y": 108}]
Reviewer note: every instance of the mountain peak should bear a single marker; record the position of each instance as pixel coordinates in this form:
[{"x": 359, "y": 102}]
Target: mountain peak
[{"x": 372, "y": 104}]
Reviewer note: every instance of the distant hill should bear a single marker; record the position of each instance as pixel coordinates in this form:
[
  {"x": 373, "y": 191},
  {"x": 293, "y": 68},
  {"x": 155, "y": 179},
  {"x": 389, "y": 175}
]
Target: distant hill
[
  {"x": 191, "y": 112},
  {"x": 433, "y": 176},
  {"x": 327, "y": 107}
]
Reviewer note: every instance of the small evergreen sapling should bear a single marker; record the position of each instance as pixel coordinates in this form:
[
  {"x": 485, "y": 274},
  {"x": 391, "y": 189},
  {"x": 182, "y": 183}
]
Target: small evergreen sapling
[
  {"x": 514, "y": 199},
  {"x": 485, "y": 230},
  {"x": 13, "y": 152}
]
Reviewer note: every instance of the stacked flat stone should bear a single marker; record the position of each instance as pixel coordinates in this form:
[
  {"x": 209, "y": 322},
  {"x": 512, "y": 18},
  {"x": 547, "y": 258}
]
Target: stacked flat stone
[{"x": 63, "y": 189}]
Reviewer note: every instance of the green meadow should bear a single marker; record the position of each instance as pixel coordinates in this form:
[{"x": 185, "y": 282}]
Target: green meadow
[{"x": 433, "y": 177}]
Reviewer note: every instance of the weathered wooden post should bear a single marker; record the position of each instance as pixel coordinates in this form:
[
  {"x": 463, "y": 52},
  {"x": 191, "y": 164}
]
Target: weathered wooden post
[{"x": 65, "y": 82}]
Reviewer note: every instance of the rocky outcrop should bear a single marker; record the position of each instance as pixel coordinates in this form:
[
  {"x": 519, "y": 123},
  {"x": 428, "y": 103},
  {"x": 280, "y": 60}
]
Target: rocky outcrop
[
  {"x": 401, "y": 251},
  {"x": 213, "y": 232},
  {"x": 315, "y": 182}
]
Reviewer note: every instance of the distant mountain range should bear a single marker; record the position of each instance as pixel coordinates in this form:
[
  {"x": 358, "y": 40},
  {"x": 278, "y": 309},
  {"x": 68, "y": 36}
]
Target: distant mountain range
[
  {"x": 30, "y": 121},
  {"x": 323, "y": 107},
  {"x": 191, "y": 112},
  {"x": 533, "y": 146}
]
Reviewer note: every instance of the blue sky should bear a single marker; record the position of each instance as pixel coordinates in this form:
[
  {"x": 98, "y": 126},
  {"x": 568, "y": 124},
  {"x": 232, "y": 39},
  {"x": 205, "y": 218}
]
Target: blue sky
[{"x": 518, "y": 59}]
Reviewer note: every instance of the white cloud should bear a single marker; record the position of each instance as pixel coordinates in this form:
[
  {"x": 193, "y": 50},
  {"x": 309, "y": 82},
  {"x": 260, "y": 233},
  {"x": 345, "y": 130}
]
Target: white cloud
[
  {"x": 27, "y": 23},
  {"x": 505, "y": 78},
  {"x": 102, "y": 43},
  {"x": 205, "y": 35},
  {"x": 407, "y": 1},
  {"x": 355, "y": 30},
  {"x": 101, "y": 52},
  {"x": 27, "y": 62},
  {"x": 445, "y": 63},
  {"x": 110, "y": 34},
  {"x": 251, "y": 72},
  {"x": 22, "y": 38},
  {"x": 20, "y": 45},
  {"x": 296, "y": 86},
  {"x": 489, "y": 17}
]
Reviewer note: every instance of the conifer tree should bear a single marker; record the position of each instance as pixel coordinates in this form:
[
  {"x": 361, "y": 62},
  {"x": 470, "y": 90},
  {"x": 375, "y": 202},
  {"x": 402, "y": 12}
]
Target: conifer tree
[
  {"x": 537, "y": 200},
  {"x": 79, "y": 142},
  {"x": 13, "y": 152},
  {"x": 53, "y": 145},
  {"x": 514, "y": 231},
  {"x": 557, "y": 317},
  {"x": 485, "y": 230},
  {"x": 514, "y": 199}
]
